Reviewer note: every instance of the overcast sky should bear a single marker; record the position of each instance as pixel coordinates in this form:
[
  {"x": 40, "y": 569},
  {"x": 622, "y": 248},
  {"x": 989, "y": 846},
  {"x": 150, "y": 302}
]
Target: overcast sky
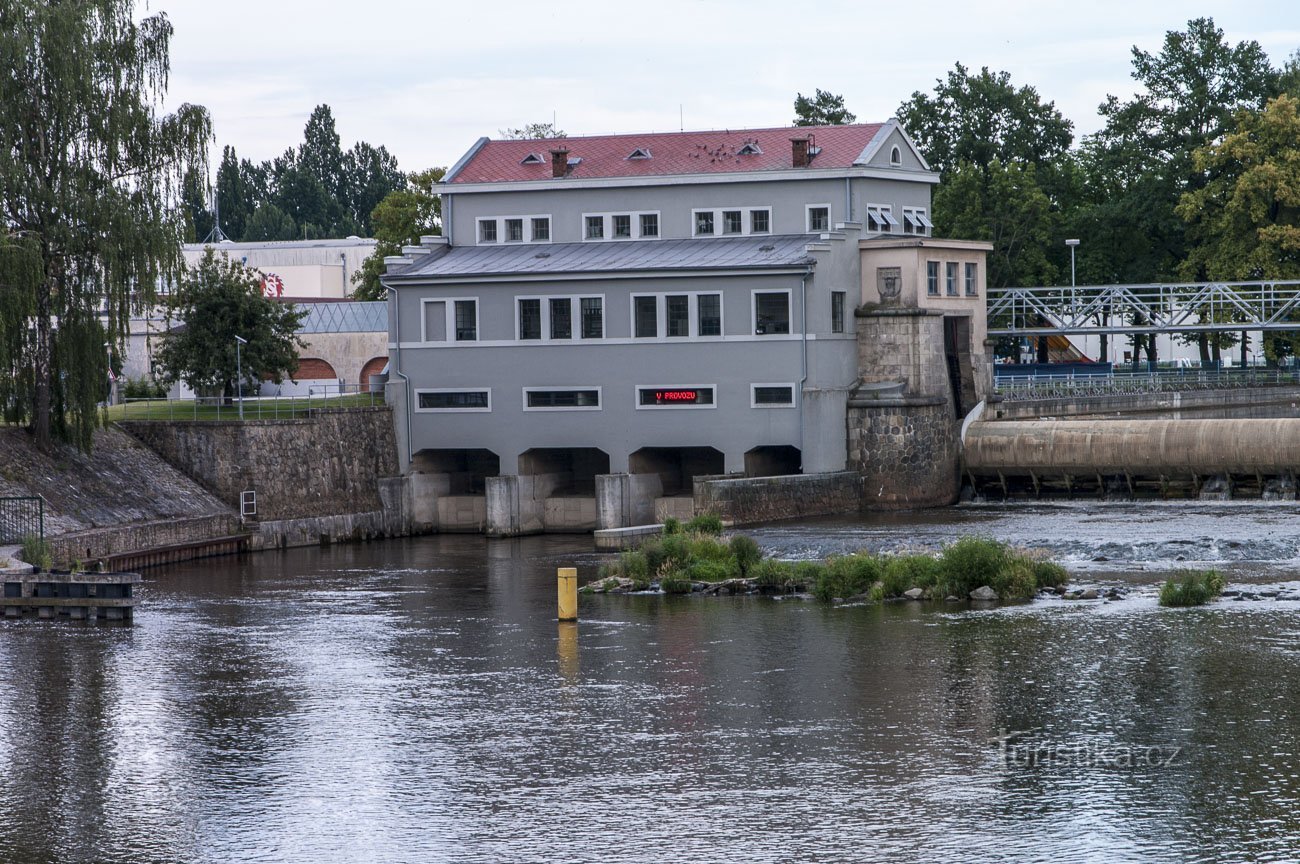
[{"x": 426, "y": 79}]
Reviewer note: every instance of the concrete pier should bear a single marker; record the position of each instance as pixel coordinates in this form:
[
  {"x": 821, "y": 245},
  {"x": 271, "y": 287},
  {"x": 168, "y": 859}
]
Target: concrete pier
[{"x": 79, "y": 596}]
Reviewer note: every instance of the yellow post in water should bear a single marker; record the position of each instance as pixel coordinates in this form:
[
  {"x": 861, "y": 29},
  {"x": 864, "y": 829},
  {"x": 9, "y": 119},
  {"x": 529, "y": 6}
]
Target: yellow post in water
[{"x": 568, "y": 588}]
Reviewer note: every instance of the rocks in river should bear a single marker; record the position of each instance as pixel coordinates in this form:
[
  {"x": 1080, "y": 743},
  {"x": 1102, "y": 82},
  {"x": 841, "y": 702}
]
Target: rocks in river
[
  {"x": 1089, "y": 594},
  {"x": 914, "y": 593},
  {"x": 952, "y": 598},
  {"x": 984, "y": 592}
]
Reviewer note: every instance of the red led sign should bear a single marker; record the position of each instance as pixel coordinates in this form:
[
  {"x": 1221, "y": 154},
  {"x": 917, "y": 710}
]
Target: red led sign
[
  {"x": 676, "y": 396},
  {"x": 662, "y": 396}
]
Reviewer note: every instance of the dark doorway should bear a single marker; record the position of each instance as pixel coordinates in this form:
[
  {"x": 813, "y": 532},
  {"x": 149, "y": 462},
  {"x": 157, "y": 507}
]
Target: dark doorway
[{"x": 956, "y": 351}]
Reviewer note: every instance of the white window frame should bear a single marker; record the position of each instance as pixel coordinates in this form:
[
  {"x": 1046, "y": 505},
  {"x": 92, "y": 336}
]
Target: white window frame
[
  {"x": 600, "y": 397},
  {"x": 575, "y": 319},
  {"x": 449, "y": 323},
  {"x": 746, "y": 220},
  {"x": 524, "y": 229},
  {"x": 844, "y": 300},
  {"x": 753, "y": 310},
  {"x": 420, "y": 410},
  {"x": 693, "y": 316},
  {"x": 753, "y": 395},
  {"x": 882, "y": 215},
  {"x": 952, "y": 279},
  {"x": 896, "y": 155},
  {"x": 938, "y": 278},
  {"x": 636, "y": 397},
  {"x": 607, "y": 224},
  {"x": 918, "y": 218},
  {"x": 500, "y": 222},
  {"x": 807, "y": 218},
  {"x": 970, "y": 279}
]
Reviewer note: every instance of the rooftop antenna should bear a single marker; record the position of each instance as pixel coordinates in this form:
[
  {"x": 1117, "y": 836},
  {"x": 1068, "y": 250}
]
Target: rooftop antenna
[
  {"x": 216, "y": 235},
  {"x": 681, "y": 118}
]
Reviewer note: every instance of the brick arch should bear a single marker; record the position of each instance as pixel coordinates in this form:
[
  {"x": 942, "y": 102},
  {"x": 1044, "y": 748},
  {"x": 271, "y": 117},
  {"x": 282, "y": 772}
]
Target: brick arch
[
  {"x": 314, "y": 369},
  {"x": 373, "y": 366}
]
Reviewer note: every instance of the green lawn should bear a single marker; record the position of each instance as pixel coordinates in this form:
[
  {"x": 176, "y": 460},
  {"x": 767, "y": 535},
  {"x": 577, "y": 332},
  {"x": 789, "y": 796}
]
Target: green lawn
[{"x": 254, "y": 409}]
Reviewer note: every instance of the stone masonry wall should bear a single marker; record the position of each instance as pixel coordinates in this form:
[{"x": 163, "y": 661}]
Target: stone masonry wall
[
  {"x": 327, "y": 464},
  {"x": 762, "y": 499},
  {"x": 906, "y": 453}
]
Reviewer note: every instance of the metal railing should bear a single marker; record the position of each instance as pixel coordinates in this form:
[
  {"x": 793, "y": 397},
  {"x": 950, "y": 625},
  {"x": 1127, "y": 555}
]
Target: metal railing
[
  {"x": 1189, "y": 307},
  {"x": 21, "y": 518},
  {"x": 1047, "y": 386},
  {"x": 317, "y": 398}
]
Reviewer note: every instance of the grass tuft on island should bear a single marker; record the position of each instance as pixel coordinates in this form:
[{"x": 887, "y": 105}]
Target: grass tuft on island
[
  {"x": 692, "y": 557},
  {"x": 1191, "y": 588}
]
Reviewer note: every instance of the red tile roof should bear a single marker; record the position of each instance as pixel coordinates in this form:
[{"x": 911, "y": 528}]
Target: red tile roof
[{"x": 670, "y": 153}]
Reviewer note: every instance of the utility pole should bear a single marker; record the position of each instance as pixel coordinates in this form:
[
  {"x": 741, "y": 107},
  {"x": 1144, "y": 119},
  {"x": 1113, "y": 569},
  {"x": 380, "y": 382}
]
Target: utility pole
[{"x": 240, "y": 341}]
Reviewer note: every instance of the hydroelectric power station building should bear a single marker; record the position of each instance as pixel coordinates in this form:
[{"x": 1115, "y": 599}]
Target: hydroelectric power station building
[{"x": 607, "y": 320}]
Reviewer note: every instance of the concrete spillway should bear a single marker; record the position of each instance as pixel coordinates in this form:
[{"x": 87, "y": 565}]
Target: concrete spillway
[{"x": 1111, "y": 456}]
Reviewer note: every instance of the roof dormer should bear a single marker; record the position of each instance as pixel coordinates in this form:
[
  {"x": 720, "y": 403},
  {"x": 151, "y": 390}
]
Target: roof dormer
[
  {"x": 532, "y": 159},
  {"x": 640, "y": 153}
]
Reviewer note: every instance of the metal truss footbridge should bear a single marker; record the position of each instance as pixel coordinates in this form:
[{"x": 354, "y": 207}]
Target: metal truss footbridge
[{"x": 1189, "y": 307}]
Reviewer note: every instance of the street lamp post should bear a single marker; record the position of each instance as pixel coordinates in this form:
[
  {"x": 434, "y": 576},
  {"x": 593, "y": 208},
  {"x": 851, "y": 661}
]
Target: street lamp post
[
  {"x": 1074, "y": 300},
  {"x": 239, "y": 373}
]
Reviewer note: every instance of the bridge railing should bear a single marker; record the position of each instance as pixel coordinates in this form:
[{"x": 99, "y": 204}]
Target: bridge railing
[
  {"x": 1049, "y": 386},
  {"x": 317, "y": 397}
]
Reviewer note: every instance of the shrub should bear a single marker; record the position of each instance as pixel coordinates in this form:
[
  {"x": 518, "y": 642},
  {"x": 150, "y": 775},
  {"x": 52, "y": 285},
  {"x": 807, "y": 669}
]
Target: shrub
[
  {"x": 634, "y": 566},
  {"x": 969, "y": 563},
  {"x": 772, "y": 575},
  {"x": 674, "y": 584},
  {"x": 746, "y": 552},
  {"x": 1191, "y": 588},
  {"x": 653, "y": 550},
  {"x": 705, "y": 523},
  {"x": 711, "y": 571},
  {"x": 1015, "y": 581},
  {"x": 677, "y": 552},
  {"x": 671, "y": 527},
  {"x": 846, "y": 576},
  {"x": 37, "y": 552},
  {"x": 705, "y": 548},
  {"x": 142, "y": 388},
  {"x": 900, "y": 573},
  {"x": 1049, "y": 574}
]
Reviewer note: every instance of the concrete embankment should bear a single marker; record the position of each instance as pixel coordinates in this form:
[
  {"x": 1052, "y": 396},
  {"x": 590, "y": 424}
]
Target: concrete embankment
[{"x": 1111, "y": 455}]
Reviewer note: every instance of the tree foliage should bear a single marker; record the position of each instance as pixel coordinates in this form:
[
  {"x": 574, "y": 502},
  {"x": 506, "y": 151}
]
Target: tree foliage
[
  {"x": 821, "y": 109},
  {"x": 217, "y": 300},
  {"x": 91, "y": 179},
  {"x": 400, "y": 220},
  {"x": 531, "y": 131}
]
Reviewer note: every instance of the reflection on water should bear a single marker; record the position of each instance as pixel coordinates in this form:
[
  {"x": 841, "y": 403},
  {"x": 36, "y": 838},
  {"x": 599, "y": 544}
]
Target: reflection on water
[{"x": 417, "y": 701}]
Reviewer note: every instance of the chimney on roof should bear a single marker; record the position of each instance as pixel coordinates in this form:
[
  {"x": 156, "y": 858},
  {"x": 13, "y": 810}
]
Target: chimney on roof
[
  {"x": 799, "y": 151},
  {"x": 559, "y": 161}
]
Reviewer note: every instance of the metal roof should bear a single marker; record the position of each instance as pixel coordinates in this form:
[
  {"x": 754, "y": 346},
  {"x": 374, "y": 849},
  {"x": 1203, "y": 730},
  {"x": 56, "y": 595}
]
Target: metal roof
[
  {"x": 346, "y": 317},
  {"x": 712, "y": 152},
  {"x": 723, "y": 253}
]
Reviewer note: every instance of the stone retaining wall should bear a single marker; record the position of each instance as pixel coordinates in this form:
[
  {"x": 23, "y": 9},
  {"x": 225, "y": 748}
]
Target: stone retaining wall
[
  {"x": 762, "y": 499},
  {"x": 87, "y": 546},
  {"x": 324, "y": 465},
  {"x": 906, "y": 452}
]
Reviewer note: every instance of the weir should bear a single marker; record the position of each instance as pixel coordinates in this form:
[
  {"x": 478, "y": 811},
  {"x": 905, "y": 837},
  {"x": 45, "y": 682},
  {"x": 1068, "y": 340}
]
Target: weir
[{"x": 1207, "y": 458}]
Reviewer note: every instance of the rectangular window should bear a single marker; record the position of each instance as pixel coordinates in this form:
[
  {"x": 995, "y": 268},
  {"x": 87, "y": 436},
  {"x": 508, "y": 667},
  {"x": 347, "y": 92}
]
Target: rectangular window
[
  {"x": 622, "y": 226},
  {"x": 678, "y": 309},
  {"x": 435, "y": 321},
  {"x": 454, "y": 400},
  {"x": 771, "y": 312},
  {"x": 760, "y": 222},
  {"x": 971, "y": 289},
  {"x": 649, "y": 224},
  {"x": 819, "y": 218},
  {"x": 466, "y": 320},
  {"x": 932, "y": 278},
  {"x": 880, "y": 218},
  {"x": 732, "y": 222},
  {"x": 541, "y": 228},
  {"x": 530, "y": 319},
  {"x": 645, "y": 313},
  {"x": 837, "y": 311},
  {"x": 915, "y": 221},
  {"x": 704, "y": 222},
  {"x": 710, "y": 314},
  {"x": 673, "y": 397},
  {"x": 587, "y": 398},
  {"x": 514, "y": 230},
  {"x": 487, "y": 231},
  {"x": 561, "y": 318},
  {"x": 593, "y": 317},
  {"x": 595, "y": 227},
  {"x": 772, "y": 395},
  {"x": 950, "y": 278}
]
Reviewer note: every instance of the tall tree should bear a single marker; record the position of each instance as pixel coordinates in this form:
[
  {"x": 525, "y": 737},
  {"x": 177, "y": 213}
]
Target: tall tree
[
  {"x": 195, "y": 193},
  {"x": 241, "y": 189},
  {"x": 1002, "y": 154},
  {"x": 400, "y": 220},
  {"x": 1141, "y": 162},
  {"x": 269, "y": 222},
  {"x": 90, "y": 184},
  {"x": 822, "y": 109},
  {"x": 533, "y": 130},
  {"x": 217, "y": 300},
  {"x": 370, "y": 174},
  {"x": 977, "y": 118}
]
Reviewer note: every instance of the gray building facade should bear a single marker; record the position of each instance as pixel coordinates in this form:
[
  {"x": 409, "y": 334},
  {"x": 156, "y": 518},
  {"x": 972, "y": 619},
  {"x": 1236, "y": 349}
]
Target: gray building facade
[{"x": 649, "y": 307}]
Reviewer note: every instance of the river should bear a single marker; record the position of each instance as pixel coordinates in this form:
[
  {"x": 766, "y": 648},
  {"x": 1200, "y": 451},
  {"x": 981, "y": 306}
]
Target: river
[{"x": 416, "y": 701}]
